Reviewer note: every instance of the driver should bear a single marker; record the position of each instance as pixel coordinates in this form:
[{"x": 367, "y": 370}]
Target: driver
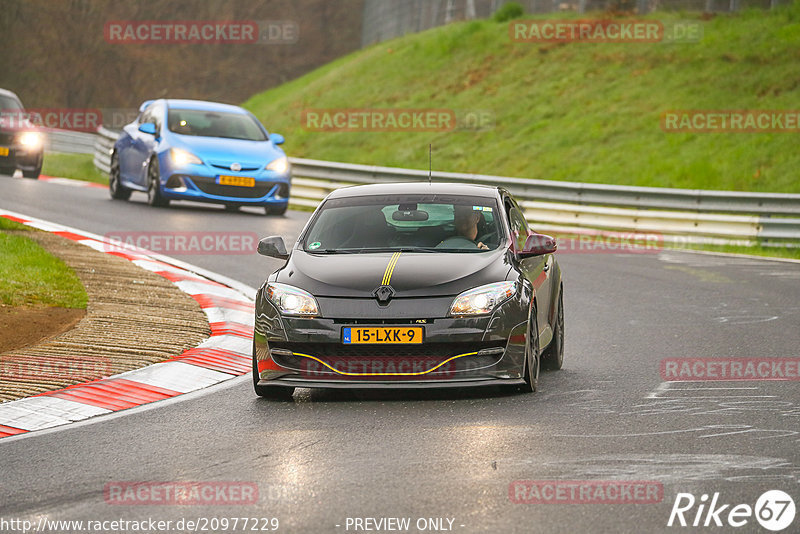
[{"x": 466, "y": 220}]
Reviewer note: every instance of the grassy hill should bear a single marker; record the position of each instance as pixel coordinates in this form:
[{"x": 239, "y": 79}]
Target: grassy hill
[{"x": 575, "y": 111}]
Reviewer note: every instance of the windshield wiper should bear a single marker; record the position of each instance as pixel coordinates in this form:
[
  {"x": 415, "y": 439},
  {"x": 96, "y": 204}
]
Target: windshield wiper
[
  {"x": 333, "y": 251},
  {"x": 401, "y": 249}
]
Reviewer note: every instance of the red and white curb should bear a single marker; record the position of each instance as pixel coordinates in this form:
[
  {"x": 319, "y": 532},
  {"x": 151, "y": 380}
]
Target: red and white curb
[
  {"x": 71, "y": 182},
  {"x": 223, "y": 356}
]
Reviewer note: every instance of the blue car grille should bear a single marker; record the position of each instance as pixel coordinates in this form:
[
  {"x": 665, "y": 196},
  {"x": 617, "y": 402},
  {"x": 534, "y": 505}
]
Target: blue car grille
[
  {"x": 227, "y": 167},
  {"x": 210, "y": 187}
]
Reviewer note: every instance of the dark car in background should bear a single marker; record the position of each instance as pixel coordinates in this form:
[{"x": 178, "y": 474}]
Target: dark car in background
[
  {"x": 21, "y": 142},
  {"x": 410, "y": 285},
  {"x": 200, "y": 151}
]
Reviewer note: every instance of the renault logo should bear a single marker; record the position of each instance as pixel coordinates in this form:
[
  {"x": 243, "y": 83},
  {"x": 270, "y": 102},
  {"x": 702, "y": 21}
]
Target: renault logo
[
  {"x": 384, "y": 294},
  {"x": 236, "y": 166}
]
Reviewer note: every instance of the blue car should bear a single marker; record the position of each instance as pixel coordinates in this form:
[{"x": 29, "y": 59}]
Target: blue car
[{"x": 200, "y": 151}]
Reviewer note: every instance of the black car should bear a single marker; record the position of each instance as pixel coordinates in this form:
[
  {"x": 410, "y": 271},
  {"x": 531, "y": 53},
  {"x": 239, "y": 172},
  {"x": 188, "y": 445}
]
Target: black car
[
  {"x": 410, "y": 285},
  {"x": 21, "y": 143}
]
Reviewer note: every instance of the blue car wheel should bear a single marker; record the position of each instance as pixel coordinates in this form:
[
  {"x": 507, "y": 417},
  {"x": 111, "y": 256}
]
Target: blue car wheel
[{"x": 154, "y": 196}]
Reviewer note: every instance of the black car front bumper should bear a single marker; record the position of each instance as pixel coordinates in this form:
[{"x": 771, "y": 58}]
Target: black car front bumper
[
  {"x": 18, "y": 157},
  {"x": 456, "y": 352}
]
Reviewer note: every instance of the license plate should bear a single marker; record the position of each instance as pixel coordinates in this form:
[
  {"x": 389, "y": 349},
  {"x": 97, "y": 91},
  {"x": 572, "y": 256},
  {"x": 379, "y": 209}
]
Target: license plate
[
  {"x": 241, "y": 181},
  {"x": 3, "y": 151},
  {"x": 382, "y": 335}
]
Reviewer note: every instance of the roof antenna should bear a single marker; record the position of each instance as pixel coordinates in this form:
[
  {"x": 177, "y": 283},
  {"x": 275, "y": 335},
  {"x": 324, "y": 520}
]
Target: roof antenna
[{"x": 430, "y": 162}]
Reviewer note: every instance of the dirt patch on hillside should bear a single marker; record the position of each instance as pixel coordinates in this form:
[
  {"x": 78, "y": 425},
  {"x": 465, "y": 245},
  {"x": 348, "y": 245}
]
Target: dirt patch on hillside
[
  {"x": 21, "y": 327},
  {"x": 134, "y": 318}
]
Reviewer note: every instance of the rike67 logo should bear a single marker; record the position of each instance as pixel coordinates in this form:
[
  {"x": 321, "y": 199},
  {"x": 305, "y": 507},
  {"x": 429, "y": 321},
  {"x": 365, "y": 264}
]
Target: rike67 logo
[{"x": 774, "y": 510}]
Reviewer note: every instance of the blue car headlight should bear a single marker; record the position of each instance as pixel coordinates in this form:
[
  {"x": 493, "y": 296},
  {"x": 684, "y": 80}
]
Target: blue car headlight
[
  {"x": 182, "y": 157},
  {"x": 483, "y": 299},
  {"x": 279, "y": 165}
]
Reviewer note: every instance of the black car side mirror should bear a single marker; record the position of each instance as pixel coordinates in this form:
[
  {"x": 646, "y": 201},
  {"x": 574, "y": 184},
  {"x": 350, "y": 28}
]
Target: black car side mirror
[
  {"x": 536, "y": 245},
  {"x": 274, "y": 247}
]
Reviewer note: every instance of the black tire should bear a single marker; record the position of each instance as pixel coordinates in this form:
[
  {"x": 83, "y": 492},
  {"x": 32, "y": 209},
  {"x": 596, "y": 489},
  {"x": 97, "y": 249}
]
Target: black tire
[
  {"x": 115, "y": 189},
  {"x": 154, "y": 197},
  {"x": 553, "y": 357},
  {"x": 269, "y": 392},
  {"x": 270, "y": 210},
  {"x": 232, "y": 207},
  {"x": 532, "y": 356},
  {"x": 8, "y": 170},
  {"x": 34, "y": 174}
]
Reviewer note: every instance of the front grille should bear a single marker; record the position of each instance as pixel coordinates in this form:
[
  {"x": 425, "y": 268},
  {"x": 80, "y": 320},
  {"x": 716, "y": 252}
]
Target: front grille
[
  {"x": 431, "y": 361},
  {"x": 6, "y": 139},
  {"x": 208, "y": 186},
  {"x": 228, "y": 167},
  {"x": 424, "y": 350}
]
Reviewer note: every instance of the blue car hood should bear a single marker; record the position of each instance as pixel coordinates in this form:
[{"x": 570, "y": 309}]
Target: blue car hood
[{"x": 226, "y": 151}]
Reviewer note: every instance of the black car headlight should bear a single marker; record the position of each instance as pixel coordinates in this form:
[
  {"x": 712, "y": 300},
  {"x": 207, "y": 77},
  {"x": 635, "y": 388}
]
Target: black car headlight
[
  {"x": 31, "y": 140},
  {"x": 292, "y": 300},
  {"x": 483, "y": 299}
]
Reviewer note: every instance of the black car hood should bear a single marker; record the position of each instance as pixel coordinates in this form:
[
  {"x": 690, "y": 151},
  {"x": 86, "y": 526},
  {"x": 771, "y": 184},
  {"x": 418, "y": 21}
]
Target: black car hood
[{"x": 418, "y": 274}]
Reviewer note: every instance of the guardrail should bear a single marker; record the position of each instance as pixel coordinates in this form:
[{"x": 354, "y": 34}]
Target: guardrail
[
  {"x": 680, "y": 215},
  {"x": 69, "y": 142}
]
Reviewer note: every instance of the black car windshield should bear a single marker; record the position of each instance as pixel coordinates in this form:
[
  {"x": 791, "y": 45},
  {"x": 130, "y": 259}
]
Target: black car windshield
[
  {"x": 214, "y": 124},
  {"x": 9, "y": 104},
  {"x": 415, "y": 223}
]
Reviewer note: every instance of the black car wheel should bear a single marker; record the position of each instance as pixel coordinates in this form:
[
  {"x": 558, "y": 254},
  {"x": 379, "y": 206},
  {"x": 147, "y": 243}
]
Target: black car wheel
[
  {"x": 231, "y": 207},
  {"x": 115, "y": 188},
  {"x": 553, "y": 357},
  {"x": 154, "y": 197},
  {"x": 268, "y": 210},
  {"x": 34, "y": 174},
  {"x": 531, "y": 370},
  {"x": 269, "y": 392},
  {"x": 8, "y": 170}
]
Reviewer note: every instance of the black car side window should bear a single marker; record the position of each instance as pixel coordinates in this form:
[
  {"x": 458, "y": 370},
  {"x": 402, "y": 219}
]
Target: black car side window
[{"x": 519, "y": 226}]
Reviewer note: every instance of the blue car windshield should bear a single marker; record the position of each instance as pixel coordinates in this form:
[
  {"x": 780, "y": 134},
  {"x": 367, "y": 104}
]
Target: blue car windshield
[
  {"x": 421, "y": 223},
  {"x": 214, "y": 124}
]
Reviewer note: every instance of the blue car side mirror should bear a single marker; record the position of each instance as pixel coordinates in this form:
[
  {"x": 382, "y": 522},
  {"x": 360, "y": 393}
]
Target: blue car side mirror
[
  {"x": 148, "y": 128},
  {"x": 277, "y": 139}
]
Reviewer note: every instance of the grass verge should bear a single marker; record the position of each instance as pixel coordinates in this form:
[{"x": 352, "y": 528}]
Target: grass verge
[
  {"x": 75, "y": 166},
  {"x": 576, "y": 111},
  {"x": 31, "y": 276}
]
